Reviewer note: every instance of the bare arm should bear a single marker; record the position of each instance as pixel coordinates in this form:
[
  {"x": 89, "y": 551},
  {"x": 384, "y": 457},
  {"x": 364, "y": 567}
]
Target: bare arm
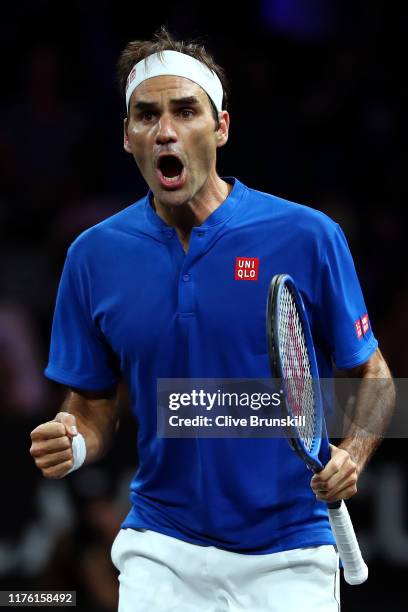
[
  {"x": 93, "y": 414},
  {"x": 373, "y": 410},
  {"x": 97, "y": 419}
]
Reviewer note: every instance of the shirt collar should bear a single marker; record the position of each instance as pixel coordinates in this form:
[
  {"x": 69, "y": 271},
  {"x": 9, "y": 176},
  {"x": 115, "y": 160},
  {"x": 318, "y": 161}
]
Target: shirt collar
[{"x": 218, "y": 216}]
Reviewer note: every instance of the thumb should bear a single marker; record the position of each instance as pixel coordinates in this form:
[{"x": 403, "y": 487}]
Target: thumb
[{"x": 69, "y": 421}]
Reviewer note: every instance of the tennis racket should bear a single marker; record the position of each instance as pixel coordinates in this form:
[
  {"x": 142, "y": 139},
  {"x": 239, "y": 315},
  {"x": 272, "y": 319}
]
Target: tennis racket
[{"x": 293, "y": 362}]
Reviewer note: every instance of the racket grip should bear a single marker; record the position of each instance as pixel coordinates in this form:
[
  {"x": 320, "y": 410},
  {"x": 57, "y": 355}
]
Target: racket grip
[{"x": 355, "y": 569}]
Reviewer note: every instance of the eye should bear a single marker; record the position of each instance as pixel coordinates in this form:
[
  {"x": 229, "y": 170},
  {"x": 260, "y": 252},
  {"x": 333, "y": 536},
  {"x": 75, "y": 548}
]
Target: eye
[
  {"x": 186, "y": 113},
  {"x": 147, "y": 115}
]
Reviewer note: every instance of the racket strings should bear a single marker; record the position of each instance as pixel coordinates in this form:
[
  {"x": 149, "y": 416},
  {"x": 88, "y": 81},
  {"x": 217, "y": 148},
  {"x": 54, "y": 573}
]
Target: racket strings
[{"x": 298, "y": 380}]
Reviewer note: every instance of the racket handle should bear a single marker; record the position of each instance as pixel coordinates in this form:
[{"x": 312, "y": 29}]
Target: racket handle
[{"x": 355, "y": 569}]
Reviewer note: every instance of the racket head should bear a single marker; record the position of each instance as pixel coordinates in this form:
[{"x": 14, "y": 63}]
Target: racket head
[{"x": 292, "y": 361}]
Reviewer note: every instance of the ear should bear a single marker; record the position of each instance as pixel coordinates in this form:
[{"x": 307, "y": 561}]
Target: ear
[
  {"x": 223, "y": 130},
  {"x": 126, "y": 144}
]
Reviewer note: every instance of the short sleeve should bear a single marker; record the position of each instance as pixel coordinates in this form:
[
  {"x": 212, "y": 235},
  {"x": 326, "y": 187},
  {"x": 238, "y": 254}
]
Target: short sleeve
[
  {"x": 342, "y": 318},
  {"x": 79, "y": 355}
]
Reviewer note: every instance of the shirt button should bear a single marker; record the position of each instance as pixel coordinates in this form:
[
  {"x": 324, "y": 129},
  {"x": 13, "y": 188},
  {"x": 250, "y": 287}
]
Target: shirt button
[
  {"x": 200, "y": 234},
  {"x": 186, "y": 278}
]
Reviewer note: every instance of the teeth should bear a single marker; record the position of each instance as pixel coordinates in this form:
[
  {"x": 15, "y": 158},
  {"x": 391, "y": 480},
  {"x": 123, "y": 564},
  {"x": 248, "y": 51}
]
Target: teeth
[{"x": 172, "y": 179}]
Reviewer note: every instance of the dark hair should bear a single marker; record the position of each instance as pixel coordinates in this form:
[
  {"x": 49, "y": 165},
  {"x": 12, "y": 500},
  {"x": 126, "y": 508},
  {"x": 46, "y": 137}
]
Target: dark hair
[{"x": 162, "y": 40}]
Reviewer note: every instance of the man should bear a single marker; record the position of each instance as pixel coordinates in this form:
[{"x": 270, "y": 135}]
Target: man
[{"x": 153, "y": 292}]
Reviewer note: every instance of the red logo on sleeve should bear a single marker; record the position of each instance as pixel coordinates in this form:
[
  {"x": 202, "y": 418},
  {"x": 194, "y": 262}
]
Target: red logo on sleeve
[
  {"x": 359, "y": 331},
  {"x": 365, "y": 323},
  {"x": 246, "y": 268}
]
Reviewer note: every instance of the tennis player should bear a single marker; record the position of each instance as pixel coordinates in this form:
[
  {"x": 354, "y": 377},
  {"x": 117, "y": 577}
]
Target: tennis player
[{"x": 174, "y": 286}]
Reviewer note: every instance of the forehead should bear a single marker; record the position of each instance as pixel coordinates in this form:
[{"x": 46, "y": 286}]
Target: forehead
[{"x": 162, "y": 88}]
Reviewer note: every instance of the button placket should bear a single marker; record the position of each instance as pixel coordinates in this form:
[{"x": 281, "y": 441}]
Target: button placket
[{"x": 187, "y": 277}]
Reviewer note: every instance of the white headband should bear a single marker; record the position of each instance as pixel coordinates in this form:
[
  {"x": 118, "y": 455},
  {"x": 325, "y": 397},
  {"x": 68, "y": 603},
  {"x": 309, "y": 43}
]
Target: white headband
[{"x": 175, "y": 64}]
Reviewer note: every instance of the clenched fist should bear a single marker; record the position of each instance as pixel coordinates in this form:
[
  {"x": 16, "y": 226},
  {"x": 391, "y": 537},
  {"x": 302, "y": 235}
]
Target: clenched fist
[{"x": 51, "y": 445}]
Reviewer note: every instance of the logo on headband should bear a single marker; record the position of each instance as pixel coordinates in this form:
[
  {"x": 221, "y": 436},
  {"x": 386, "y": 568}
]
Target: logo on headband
[{"x": 131, "y": 77}]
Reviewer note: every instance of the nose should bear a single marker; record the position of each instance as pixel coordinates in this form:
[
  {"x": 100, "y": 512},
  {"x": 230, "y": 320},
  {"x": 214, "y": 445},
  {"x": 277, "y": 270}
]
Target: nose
[{"x": 165, "y": 130}]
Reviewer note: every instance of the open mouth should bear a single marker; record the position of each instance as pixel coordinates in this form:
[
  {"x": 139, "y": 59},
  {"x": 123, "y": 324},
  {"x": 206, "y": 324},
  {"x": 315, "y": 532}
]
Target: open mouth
[{"x": 171, "y": 171}]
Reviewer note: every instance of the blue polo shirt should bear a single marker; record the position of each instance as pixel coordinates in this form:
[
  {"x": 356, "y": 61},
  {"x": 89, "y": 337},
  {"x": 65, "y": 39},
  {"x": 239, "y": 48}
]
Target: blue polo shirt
[{"x": 131, "y": 303}]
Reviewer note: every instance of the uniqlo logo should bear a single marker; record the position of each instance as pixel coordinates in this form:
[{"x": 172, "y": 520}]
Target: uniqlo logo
[
  {"x": 131, "y": 77},
  {"x": 359, "y": 331},
  {"x": 246, "y": 268},
  {"x": 365, "y": 323}
]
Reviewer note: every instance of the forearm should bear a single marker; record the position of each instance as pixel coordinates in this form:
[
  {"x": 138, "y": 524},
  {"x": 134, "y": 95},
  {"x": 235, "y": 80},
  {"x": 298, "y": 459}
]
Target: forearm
[
  {"x": 373, "y": 409},
  {"x": 97, "y": 420}
]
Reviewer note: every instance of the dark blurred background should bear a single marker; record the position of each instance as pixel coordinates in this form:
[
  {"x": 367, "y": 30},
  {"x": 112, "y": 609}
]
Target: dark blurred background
[{"x": 318, "y": 116}]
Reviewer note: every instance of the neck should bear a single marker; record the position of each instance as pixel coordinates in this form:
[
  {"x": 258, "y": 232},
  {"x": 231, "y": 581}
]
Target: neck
[{"x": 196, "y": 210}]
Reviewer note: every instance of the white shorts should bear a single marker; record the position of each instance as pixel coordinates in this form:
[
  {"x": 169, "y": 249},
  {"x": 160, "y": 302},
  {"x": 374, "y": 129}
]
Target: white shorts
[{"x": 159, "y": 573}]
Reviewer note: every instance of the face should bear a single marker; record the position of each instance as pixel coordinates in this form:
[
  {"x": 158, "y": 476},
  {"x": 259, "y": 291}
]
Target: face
[{"x": 170, "y": 131}]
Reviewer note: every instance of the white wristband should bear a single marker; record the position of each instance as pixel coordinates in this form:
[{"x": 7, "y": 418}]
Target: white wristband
[{"x": 79, "y": 452}]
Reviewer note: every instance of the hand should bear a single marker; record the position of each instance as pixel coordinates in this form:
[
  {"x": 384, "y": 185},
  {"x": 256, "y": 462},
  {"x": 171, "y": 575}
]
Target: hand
[
  {"x": 51, "y": 446},
  {"x": 338, "y": 479}
]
